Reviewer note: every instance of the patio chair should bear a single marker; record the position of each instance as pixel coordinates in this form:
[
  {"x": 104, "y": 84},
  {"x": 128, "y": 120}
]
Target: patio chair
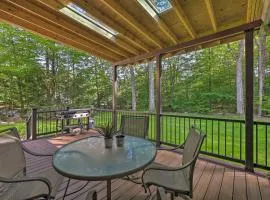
[
  {"x": 14, "y": 132},
  {"x": 134, "y": 125},
  {"x": 177, "y": 180},
  {"x": 15, "y": 183}
]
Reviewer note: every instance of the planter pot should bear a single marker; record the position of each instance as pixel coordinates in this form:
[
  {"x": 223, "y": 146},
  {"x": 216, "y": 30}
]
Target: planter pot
[
  {"x": 120, "y": 140},
  {"x": 108, "y": 142}
]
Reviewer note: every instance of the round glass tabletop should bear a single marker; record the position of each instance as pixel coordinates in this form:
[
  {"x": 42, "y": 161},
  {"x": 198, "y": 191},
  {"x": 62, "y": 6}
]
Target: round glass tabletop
[{"x": 88, "y": 159}]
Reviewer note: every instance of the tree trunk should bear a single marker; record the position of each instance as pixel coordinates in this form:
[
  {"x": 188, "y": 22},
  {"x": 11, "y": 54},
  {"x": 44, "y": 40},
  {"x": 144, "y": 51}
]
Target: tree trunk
[
  {"x": 97, "y": 87},
  {"x": 239, "y": 80},
  {"x": 151, "y": 68},
  {"x": 261, "y": 68},
  {"x": 133, "y": 88}
]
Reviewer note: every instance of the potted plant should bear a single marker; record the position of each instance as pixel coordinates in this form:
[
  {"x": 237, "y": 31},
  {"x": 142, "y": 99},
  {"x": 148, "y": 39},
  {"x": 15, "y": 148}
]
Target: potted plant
[
  {"x": 120, "y": 140},
  {"x": 107, "y": 131}
]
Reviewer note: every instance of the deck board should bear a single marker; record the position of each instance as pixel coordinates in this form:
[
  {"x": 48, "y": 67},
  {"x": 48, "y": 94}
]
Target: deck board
[
  {"x": 210, "y": 181},
  {"x": 226, "y": 190},
  {"x": 240, "y": 188}
]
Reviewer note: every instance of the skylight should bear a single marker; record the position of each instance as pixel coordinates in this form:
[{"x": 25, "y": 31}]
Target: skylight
[
  {"x": 160, "y": 5},
  {"x": 80, "y": 15}
]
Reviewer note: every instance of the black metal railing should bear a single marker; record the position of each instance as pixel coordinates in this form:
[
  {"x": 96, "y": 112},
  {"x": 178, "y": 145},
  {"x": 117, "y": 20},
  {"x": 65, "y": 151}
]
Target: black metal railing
[{"x": 225, "y": 137}]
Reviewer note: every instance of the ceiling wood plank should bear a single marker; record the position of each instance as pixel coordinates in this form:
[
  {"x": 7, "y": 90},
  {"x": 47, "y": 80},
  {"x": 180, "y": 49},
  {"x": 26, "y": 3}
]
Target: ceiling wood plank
[
  {"x": 123, "y": 32},
  {"x": 23, "y": 14},
  {"x": 211, "y": 12},
  {"x": 265, "y": 12},
  {"x": 121, "y": 12},
  {"x": 57, "y": 5},
  {"x": 161, "y": 24},
  {"x": 249, "y": 10},
  {"x": 65, "y": 22},
  {"x": 52, "y": 36},
  {"x": 183, "y": 18},
  {"x": 117, "y": 39}
]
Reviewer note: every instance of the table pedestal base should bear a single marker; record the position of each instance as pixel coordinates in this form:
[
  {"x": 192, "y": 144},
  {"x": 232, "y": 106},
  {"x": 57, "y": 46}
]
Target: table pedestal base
[{"x": 109, "y": 190}]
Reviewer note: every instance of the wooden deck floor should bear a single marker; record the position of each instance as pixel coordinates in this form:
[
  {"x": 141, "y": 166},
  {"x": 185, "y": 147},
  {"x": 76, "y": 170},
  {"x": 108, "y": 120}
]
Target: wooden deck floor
[{"x": 211, "y": 181}]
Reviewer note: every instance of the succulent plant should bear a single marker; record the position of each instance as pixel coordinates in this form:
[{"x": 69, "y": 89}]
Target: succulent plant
[{"x": 107, "y": 130}]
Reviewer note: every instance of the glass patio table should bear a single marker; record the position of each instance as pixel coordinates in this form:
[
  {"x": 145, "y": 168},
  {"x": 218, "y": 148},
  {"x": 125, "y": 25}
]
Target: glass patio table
[{"x": 88, "y": 159}]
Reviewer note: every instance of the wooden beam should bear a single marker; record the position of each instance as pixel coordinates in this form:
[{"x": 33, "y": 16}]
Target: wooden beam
[
  {"x": 211, "y": 12},
  {"x": 249, "y": 99},
  {"x": 162, "y": 26},
  {"x": 130, "y": 20},
  {"x": 34, "y": 19},
  {"x": 51, "y": 35},
  {"x": 183, "y": 18},
  {"x": 124, "y": 33},
  {"x": 198, "y": 41},
  {"x": 59, "y": 19},
  {"x": 158, "y": 98}
]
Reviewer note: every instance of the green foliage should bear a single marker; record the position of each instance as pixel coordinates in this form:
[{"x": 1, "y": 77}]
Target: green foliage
[
  {"x": 35, "y": 72},
  {"x": 107, "y": 130}
]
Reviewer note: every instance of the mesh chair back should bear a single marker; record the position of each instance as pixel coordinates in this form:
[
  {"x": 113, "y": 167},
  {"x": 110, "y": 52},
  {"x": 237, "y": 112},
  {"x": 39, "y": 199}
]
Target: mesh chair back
[
  {"x": 191, "y": 151},
  {"x": 134, "y": 125},
  {"x": 12, "y": 159}
]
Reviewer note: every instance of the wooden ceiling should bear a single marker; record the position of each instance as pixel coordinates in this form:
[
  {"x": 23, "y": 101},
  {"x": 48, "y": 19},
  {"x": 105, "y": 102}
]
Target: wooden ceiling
[{"x": 138, "y": 32}]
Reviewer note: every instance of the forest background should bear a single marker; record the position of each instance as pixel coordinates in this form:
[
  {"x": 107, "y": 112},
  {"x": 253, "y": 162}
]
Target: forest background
[{"x": 38, "y": 73}]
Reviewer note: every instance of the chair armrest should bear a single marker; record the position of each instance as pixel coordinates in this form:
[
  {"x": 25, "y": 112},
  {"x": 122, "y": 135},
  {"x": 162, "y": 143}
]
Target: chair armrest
[
  {"x": 169, "y": 168},
  {"x": 25, "y": 180},
  {"x": 171, "y": 149}
]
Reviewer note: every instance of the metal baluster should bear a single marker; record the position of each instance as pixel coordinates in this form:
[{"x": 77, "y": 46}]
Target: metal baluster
[
  {"x": 206, "y": 134},
  {"x": 225, "y": 138},
  {"x": 184, "y": 128},
  {"x": 240, "y": 124},
  {"x": 232, "y": 139},
  {"x": 256, "y": 143},
  {"x": 266, "y": 149},
  {"x": 212, "y": 136},
  {"x": 174, "y": 130},
  {"x": 218, "y": 137}
]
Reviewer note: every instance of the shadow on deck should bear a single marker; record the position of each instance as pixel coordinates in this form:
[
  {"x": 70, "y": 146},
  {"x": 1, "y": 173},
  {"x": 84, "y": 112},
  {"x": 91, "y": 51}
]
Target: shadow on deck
[{"x": 211, "y": 180}]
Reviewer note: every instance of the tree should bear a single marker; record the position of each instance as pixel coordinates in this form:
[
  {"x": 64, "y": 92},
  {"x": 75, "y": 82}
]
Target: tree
[
  {"x": 133, "y": 88},
  {"x": 239, "y": 79},
  {"x": 261, "y": 43},
  {"x": 151, "y": 69}
]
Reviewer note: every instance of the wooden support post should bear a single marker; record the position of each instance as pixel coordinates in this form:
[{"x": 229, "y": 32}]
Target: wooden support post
[
  {"x": 114, "y": 98},
  {"x": 158, "y": 98},
  {"x": 34, "y": 124},
  {"x": 249, "y": 99}
]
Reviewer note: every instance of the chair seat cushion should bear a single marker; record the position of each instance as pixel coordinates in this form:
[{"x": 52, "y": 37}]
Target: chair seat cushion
[{"x": 170, "y": 180}]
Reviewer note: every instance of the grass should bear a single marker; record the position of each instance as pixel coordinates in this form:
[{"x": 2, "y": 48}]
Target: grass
[
  {"x": 19, "y": 125},
  {"x": 223, "y": 138}
]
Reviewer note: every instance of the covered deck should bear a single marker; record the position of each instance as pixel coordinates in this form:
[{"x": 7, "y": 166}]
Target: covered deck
[
  {"x": 211, "y": 180},
  {"x": 128, "y": 32}
]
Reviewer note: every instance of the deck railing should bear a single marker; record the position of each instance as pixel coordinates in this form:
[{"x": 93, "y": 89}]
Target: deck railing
[{"x": 225, "y": 137}]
